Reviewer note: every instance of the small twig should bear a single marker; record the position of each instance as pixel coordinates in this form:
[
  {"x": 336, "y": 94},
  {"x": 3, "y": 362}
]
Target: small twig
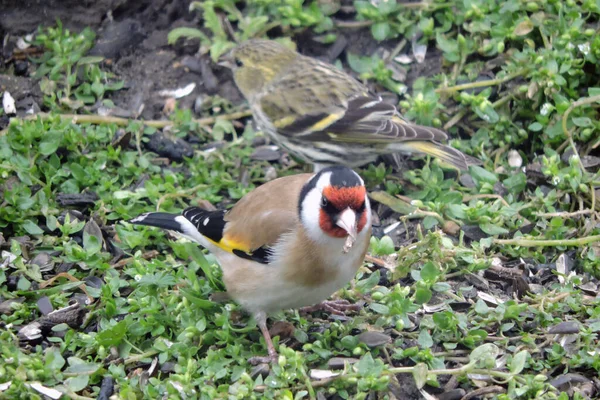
[
  {"x": 100, "y": 119},
  {"x": 506, "y": 272},
  {"x": 422, "y": 214},
  {"x": 72, "y": 279},
  {"x": 352, "y": 24},
  {"x": 565, "y": 214},
  {"x": 146, "y": 256},
  {"x": 454, "y": 120},
  {"x": 379, "y": 262},
  {"x": 483, "y": 391},
  {"x": 478, "y": 84},
  {"x": 396, "y": 50},
  {"x": 183, "y": 193},
  {"x": 139, "y": 357},
  {"x": 548, "y": 243}
]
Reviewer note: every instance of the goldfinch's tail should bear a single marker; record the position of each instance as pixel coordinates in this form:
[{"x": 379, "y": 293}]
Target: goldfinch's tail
[
  {"x": 446, "y": 154},
  {"x": 195, "y": 224}
]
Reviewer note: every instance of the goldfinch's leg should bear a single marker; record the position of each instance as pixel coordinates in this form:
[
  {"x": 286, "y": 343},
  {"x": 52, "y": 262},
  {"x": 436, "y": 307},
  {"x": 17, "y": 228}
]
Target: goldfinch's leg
[
  {"x": 338, "y": 307},
  {"x": 261, "y": 320}
]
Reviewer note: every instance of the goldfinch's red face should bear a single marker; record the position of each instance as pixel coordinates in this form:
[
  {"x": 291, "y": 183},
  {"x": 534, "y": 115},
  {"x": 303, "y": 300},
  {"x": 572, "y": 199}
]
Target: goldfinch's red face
[
  {"x": 334, "y": 204},
  {"x": 343, "y": 210}
]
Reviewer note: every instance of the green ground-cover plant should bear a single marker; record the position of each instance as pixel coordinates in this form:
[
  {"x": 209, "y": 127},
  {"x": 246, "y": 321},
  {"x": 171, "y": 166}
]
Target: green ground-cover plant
[{"x": 517, "y": 88}]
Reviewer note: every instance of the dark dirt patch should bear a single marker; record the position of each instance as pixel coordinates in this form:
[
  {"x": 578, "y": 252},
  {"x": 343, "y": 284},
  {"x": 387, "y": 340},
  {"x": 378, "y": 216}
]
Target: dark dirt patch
[{"x": 132, "y": 36}]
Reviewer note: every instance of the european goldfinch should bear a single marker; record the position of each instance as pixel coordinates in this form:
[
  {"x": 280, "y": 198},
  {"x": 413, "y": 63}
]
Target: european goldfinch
[
  {"x": 290, "y": 243},
  {"x": 323, "y": 115}
]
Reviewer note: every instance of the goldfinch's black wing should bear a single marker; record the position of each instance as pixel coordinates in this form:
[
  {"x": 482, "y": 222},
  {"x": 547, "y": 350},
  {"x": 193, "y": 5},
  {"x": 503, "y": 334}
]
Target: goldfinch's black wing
[
  {"x": 203, "y": 227},
  {"x": 249, "y": 229}
]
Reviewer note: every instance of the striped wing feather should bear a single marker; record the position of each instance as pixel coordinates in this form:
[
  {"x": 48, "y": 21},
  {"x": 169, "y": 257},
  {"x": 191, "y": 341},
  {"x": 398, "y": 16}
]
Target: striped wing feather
[{"x": 366, "y": 119}]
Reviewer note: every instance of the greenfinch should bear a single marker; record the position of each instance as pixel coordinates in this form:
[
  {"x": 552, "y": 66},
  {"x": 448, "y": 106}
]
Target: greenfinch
[{"x": 323, "y": 115}]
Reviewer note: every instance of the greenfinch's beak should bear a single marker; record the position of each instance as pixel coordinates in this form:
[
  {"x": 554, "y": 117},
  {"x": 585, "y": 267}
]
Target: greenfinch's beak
[{"x": 227, "y": 61}]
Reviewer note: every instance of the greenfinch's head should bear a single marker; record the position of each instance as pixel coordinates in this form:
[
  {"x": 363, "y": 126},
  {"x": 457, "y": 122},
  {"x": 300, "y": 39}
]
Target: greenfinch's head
[{"x": 256, "y": 62}]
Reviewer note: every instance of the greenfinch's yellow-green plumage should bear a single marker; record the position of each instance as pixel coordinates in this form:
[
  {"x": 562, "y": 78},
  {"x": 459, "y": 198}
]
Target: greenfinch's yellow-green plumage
[{"x": 323, "y": 115}]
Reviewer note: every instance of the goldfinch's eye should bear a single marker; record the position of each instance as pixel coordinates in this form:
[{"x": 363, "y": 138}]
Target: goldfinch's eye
[
  {"x": 361, "y": 208},
  {"x": 324, "y": 201},
  {"x": 238, "y": 62}
]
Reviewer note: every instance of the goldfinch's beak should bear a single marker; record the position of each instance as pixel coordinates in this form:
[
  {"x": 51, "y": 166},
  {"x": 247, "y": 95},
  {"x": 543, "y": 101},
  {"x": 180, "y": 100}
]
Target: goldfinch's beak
[{"x": 347, "y": 221}]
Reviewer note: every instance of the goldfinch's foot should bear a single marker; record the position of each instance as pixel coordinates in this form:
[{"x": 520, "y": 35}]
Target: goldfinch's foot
[
  {"x": 337, "y": 307},
  {"x": 263, "y": 359}
]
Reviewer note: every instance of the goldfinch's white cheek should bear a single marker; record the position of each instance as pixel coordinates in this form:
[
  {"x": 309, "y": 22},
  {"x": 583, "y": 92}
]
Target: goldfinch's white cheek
[{"x": 311, "y": 208}]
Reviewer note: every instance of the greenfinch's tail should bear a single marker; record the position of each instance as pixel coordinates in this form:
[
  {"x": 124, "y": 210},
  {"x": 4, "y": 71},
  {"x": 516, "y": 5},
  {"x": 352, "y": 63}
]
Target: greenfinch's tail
[{"x": 446, "y": 154}]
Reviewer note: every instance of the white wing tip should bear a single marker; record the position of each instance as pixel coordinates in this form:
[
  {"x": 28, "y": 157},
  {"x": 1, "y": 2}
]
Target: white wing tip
[{"x": 139, "y": 218}]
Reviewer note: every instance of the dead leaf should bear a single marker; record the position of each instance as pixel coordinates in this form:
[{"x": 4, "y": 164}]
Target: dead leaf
[{"x": 523, "y": 28}]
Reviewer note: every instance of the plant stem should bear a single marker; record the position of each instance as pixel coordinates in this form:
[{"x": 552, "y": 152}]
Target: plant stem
[
  {"x": 548, "y": 243},
  {"x": 580, "y": 102},
  {"x": 565, "y": 214},
  {"x": 352, "y": 24},
  {"x": 139, "y": 357},
  {"x": 99, "y": 119},
  {"x": 490, "y": 82}
]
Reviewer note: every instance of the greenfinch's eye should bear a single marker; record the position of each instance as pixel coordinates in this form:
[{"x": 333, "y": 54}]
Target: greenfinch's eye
[{"x": 238, "y": 62}]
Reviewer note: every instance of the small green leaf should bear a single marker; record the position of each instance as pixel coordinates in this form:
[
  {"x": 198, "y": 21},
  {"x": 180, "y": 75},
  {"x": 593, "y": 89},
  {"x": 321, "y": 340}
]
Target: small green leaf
[
  {"x": 77, "y": 383},
  {"x": 31, "y": 227},
  {"x": 441, "y": 287},
  {"x": 429, "y": 222},
  {"x": 429, "y": 272},
  {"x": 582, "y": 122},
  {"x": 195, "y": 299},
  {"x": 594, "y": 91},
  {"x": 360, "y": 64},
  {"x": 90, "y": 60},
  {"x": 481, "y": 175},
  {"x": 300, "y": 335},
  {"x": 23, "y": 283},
  {"x": 91, "y": 244},
  {"x": 485, "y": 355},
  {"x": 189, "y": 33},
  {"x": 492, "y": 229},
  {"x": 516, "y": 183},
  {"x": 422, "y": 295},
  {"x": 481, "y": 307},
  {"x": 420, "y": 374},
  {"x": 80, "y": 367},
  {"x": 54, "y": 360},
  {"x": 424, "y": 339},
  {"x": 50, "y": 143},
  {"x": 380, "y": 308},
  {"x": 381, "y": 31},
  {"x": 364, "y": 285},
  {"x": 457, "y": 211},
  {"x": 535, "y": 127},
  {"x": 518, "y": 362},
  {"x": 365, "y": 365},
  {"x": 113, "y": 335},
  {"x": 487, "y": 112}
]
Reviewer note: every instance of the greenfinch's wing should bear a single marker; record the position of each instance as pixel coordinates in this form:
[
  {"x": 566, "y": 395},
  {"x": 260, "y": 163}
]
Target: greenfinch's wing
[{"x": 363, "y": 119}]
